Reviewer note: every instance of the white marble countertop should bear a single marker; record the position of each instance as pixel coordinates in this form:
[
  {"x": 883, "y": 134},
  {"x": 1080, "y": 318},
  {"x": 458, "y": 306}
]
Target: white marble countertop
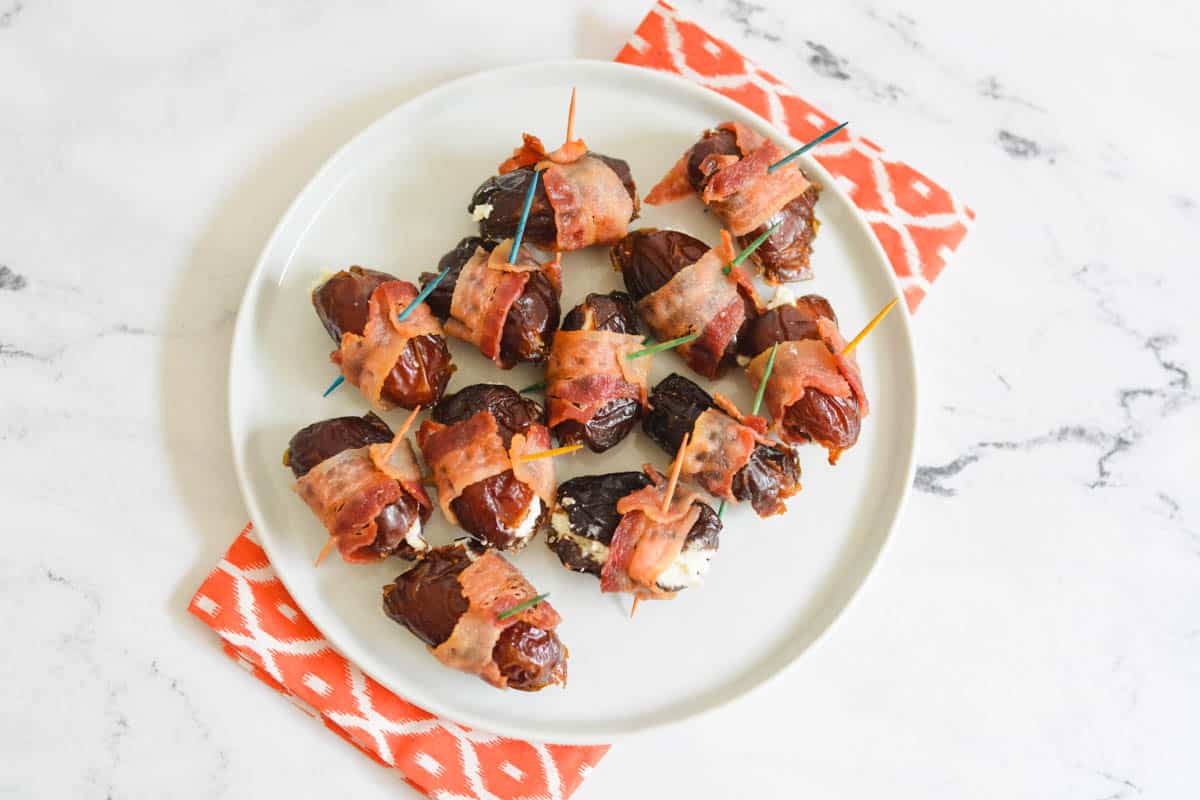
[{"x": 1034, "y": 628}]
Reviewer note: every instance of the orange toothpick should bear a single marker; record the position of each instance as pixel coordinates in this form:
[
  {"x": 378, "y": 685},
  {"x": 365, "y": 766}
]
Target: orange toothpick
[
  {"x": 571, "y": 116},
  {"x": 558, "y": 451},
  {"x": 637, "y": 598},
  {"x": 324, "y": 552},
  {"x": 878, "y": 318},
  {"x": 675, "y": 470}
]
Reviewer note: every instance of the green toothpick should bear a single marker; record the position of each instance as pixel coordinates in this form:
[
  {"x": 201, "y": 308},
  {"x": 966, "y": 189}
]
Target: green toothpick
[
  {"x": 758, "y": 399},
  {"x": 742, "y": 256},
  {"x": 534, "y": 388},
  {"x": 517, "y": 609},
  {"x": 801, "y": 151},
  {"x": 667, "y": 345}
]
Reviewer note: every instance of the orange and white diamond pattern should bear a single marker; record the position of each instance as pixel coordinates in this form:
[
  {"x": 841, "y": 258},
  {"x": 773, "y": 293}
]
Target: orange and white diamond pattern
[
  {"x": 244, "y": 601},
  {"x": 918, "y": 223}
]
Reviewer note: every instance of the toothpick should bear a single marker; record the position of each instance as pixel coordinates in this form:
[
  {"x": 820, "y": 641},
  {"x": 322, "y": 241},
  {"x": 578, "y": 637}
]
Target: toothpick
[
  {"x": 534, "y": 388},
  {"x": 324, "y": 552},
  {"x": 762, "y": 386},
  {"x": 336, "y": 383},
  {"x": 874, "y": 321},
  {"x": 516, "y": 247},
  {"x": 558, "y": 451},
  {"x": 802, "y": 150},
  {"x": 571, "y": 116},
  {"x": 519, "y": 607},
  {"x": 421, "y": 295},
  {"x": 675, "y": 470},
  {"x": 667, "y": 345},
  {"x": 412, "y": 417},
  {"x": 637, "y": 598},
  {"x": 742, "y": 256}
]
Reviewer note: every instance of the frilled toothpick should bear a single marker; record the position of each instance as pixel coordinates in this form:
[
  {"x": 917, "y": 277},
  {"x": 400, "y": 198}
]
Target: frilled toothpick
[{"x": 804, "y": 149}]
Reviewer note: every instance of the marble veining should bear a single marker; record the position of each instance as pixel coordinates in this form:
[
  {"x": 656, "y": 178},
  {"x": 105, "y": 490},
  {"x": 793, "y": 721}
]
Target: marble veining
[{"x": 1033, "y": 629}]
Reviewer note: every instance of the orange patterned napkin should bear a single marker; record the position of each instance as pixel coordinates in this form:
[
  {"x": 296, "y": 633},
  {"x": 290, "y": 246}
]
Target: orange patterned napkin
[
  {"x": 918, "y": 222},
  {"x": 919, "y": 225}
]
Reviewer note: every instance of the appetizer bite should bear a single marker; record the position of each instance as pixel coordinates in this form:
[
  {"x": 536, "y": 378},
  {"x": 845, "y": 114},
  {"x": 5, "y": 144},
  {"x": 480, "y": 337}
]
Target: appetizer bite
[
  {"x": 392, "y": 362},
  {"x": 509, "y": 311},
  {"x": 587, "y": 515},
  {"x": 364, "y": 484},
  {"x": 478, "y": 614},
  {"x": 728, "y": 169},
  {"x": 814, "y": 391},
  {"x": 595, "y": 392},
  {"x": 681, "y": 287},
  {"x": 580, "y": 198},
  {"x": 728, "y": 454},
  {"x": 476, "y": 445}
]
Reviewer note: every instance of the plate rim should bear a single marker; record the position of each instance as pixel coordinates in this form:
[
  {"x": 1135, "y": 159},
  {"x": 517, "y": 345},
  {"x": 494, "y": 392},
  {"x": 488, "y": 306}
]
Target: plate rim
[{"x": 671, "y": 81}]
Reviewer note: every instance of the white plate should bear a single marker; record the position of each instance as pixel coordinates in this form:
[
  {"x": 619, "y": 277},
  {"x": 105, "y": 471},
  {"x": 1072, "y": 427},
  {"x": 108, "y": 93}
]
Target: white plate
[{"x": 395, "y": 199}]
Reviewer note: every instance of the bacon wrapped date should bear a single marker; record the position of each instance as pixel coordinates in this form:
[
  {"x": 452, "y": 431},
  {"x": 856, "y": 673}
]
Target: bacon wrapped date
[
  {"x": 813, "y": 393},
  {"x": 453, "y": 599},
  {"x": 582, "y": 198},
  {"x": 510, "y": 312},
  {"x": 586, "y": 517},
  {"x": 728, "y": 454},
  {"x": 727, "y": 168},
  {"x": 366, "y": 491},
  {"x": 393, "y": 363},
  {"x": 594, "y": 393},
  {"x": 473, "y": 446},
  {"x": 680, "y": 288}
]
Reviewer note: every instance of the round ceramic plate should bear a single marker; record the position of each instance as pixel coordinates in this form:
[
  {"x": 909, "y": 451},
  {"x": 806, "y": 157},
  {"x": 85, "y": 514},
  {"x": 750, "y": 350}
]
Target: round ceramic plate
[{"x": 395, "y": 199}]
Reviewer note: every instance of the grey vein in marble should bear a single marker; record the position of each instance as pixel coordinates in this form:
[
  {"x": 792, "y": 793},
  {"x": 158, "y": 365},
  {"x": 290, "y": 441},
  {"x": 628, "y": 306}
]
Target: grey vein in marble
[
  {"x": 1018, "y": 146},
  {"x": 8, "y": 17},
  {"x": 741, "y": 12},
  {"x": 11, "y": 281},
  {"x": 825, "y": 62}
]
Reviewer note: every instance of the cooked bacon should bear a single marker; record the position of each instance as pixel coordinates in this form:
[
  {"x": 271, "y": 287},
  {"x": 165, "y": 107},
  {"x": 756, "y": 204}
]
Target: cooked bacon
[
  {"x": 367, "y": 360},
  {"x": 700, "y": 297},
  {"x": 467, "y": 452},
  {"x": 398, "y": 461},
  {"x": 719, "y": 447},
  {"x": 648, "y": 539},
  {"x": 487, "y": 288},
  {"x": 847, "y": 365},
  {"x": 538, "y": 474},
  {"x": 346, "y": 492},
  {"x": 491, "y": 586},
  {"x": 739, "y": 190},
  {"x": 587, "y": 369},
  {"x": 461, "y": 454},
  {"x": 742, "y": 193},
  {"x": 590, "y": 202},
  {"x": 798, "y": 366},
  {"x": 591, "y": 205},
  {"x": 674, "y": 185}
]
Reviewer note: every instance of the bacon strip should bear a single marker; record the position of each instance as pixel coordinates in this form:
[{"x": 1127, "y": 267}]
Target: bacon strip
[
  {"x": 719, "y": 447},
  {"x": 740, "y": 190},
  {"x": 648, "y": 539},
  {"x": 743, "y": 194},
  {"x": 470, "y": 451},
  {"x": 847, "y": 365},
  {"x": 798, "y": 366},
  {"x": 366, "y": 360},
  {"x": 400, "y": 464},
  {"x": 491, "y": 586},
  {"x": 538, "y": 474},
  {"x": 461, "y": 454},
  {"x": 487, "y": 288},
  {"x": 591, "y": 205},
  {"x": 347, "y": 491},
  {"x": 587, "y": 369},
  {"x": 700, "y": 297}
]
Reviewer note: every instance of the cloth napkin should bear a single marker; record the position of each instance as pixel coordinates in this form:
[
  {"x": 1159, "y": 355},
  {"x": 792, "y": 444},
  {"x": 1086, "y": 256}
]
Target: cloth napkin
[{"x": 919, "y": 225}]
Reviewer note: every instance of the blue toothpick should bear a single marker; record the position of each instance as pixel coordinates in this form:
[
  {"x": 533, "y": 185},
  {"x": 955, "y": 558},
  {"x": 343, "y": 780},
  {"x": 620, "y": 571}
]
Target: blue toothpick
[
  {"x": 516, "y": 247},
  {"x": 336, "y": 383},
  {"x": 421, "y": 295},
  {"x": 806, "y": 148}
]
